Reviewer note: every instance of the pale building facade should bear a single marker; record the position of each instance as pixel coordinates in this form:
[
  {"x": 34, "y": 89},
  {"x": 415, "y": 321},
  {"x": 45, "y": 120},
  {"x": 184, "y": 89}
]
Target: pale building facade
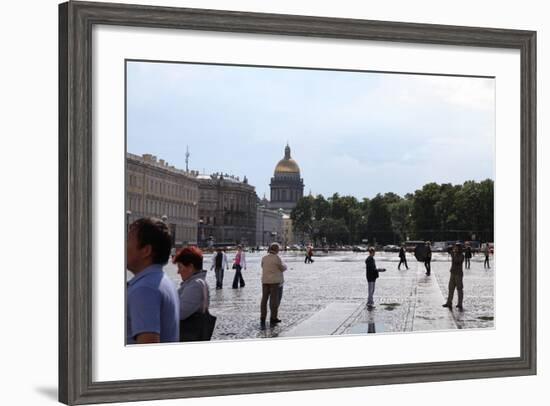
[{"x": 156, "y": 189}]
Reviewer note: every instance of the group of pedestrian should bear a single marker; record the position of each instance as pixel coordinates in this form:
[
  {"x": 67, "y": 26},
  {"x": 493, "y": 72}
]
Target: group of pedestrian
[
  {"x": 459, "y": 257},
  {"x": 220, "y": 264},
  {"x": 156, "y": 311},
  {"x": 426, "y": 255}
]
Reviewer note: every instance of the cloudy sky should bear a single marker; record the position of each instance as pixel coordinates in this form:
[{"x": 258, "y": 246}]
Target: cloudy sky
[{"x": 356, "y": 133}]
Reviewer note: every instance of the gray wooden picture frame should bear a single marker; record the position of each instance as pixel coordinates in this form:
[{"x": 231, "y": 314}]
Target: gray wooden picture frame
[{"x": 76, "y": 20}]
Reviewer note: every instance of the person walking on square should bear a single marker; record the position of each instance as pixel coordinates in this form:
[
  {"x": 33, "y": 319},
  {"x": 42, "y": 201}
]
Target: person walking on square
[
  {"x": 272, "y": 278},
  {"x": 219, "y": 263},
  {"x": 372, "y": 275},
  {"x": 152, "y": 300},
  {"x": 402, "y": 257},
  {"x": 239, "y": 263},
  {"x": 428, "y": 258},
  {"x": 456, "y": 277},
  {"x": 309, "y": 255},
  {"x": 486, "y": 251},
  {"x": 467, "y": 255}
]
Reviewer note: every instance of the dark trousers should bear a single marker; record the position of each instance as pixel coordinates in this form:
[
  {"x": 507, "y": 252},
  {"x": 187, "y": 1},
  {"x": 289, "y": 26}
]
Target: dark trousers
[
  {"x": 219, "y": 277},
  {"x": 238, "y": 279},
  {"x": 308, "y": 259},
  {"x": 486, "y": 263},
  {"x": 428, "y": 265},
  {"x": 402, "y": 261},
  {"x": 467, "y": 263},
  {"x": 270, "y": 291},
  {"x": 455, "y": 282}
]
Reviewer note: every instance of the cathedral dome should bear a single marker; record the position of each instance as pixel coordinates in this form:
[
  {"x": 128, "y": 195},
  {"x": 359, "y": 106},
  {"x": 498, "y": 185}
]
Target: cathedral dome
[{"x": 287, "y": 165}]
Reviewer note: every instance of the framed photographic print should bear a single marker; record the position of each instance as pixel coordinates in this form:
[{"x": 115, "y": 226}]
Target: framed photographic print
[{"x": 259, "y": 202}]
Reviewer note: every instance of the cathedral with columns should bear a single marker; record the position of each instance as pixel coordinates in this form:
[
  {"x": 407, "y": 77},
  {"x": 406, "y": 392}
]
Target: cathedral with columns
[{"x": 286, "y": 184}]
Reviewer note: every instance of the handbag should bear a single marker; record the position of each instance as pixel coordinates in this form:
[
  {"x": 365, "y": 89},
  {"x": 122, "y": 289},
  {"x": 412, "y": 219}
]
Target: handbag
[{"x": 200, "y": 325}]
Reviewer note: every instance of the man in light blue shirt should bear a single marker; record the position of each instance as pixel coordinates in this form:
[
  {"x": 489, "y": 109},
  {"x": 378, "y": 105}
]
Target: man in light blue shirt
[{"x": 152, "y": 300}]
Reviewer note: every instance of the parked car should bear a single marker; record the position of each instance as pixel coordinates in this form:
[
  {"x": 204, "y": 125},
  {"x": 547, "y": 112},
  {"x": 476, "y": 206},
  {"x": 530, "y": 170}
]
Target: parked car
[{"x": 390, "y": 248}]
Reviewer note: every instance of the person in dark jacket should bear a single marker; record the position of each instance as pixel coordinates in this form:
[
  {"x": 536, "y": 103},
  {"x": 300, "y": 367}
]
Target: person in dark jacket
[
  {"x": 219, "y": 263},
  {"x": 486, "y": 251},
  {"x": 467, "y": 256},
  {"x": 456, "y": 277},
  {"x": 372, "y": 275},
  {"x": 428, "y": 258},
  {"x": 402, "y": 257}
]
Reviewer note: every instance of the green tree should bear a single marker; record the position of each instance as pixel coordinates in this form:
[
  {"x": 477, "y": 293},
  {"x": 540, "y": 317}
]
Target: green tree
[
  {"x": 321, "y": 208},
  {"x": 379, "y": 225},
  {"x": 400, "y": 213},
  {"x": 302, "y": 215},
  {"x": 424, "y": 222},
  {"x": 334, "y": 230}
]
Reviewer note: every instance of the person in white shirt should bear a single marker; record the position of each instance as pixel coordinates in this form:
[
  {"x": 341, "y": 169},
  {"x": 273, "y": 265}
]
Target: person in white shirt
[{"x": 219, "y": 263}]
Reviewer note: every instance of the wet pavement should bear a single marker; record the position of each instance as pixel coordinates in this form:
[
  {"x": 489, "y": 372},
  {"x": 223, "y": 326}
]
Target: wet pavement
[{"x": 329, "y": 297}]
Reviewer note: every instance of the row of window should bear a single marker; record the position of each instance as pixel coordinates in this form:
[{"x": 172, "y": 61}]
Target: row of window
[
  {"x": 160, "y": 208},
  {"x": 162, "y": 187}
]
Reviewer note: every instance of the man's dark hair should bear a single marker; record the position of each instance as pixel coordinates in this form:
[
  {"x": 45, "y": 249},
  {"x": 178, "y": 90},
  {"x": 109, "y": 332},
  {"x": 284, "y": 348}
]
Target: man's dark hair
[
  {"x": 190, "y": 255},
  {"x": 154, "y": 232}
]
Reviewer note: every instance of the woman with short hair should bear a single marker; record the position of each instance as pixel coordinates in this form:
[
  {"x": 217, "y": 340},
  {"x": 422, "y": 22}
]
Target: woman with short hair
[{"x": 194, "y": 296}]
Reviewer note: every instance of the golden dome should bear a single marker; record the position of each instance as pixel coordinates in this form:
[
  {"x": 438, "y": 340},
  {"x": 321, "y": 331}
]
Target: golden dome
[{"x": 287, "y": 166}]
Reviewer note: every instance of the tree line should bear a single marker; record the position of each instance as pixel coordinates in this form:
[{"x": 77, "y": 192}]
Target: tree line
[{"x": 437, "y": 212}]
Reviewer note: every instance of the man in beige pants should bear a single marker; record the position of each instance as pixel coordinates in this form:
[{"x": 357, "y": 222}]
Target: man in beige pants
[{"x": 272, "y": 277}]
